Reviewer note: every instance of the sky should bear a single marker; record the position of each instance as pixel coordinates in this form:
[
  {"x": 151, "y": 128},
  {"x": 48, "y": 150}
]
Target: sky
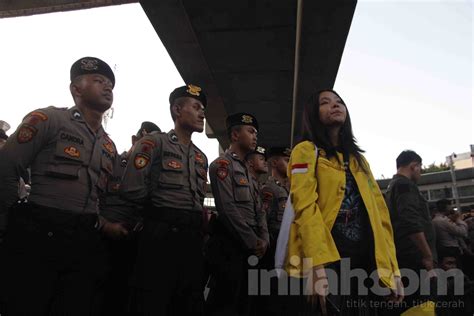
[{"x": 406, "y": 74}]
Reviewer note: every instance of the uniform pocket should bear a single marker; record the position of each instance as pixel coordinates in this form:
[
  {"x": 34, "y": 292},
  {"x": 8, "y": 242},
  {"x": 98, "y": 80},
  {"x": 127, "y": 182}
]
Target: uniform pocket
[
  {"x": 171, "y": 175},
  {"x": 241, "y": 188},
  {"x": 68, "y": 159}
]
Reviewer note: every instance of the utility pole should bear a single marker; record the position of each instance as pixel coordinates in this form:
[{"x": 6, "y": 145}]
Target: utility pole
[{"x": 453, "y": 180}]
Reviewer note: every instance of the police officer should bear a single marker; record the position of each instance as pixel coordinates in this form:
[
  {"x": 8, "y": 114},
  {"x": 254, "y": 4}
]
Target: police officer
[
  {"x": 240, "y": 230},
  {"x": 52, "y": 254},
  {"x": 275, "y": 193},
  {"x": 166, "y": 177},
  {"x": 126, "y": 220},
  {"x": 256, "y": 162}
]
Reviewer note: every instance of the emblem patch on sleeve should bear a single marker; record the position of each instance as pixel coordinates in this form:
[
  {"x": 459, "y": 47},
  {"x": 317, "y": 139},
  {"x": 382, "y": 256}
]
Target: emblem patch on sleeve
[
  {"x": 26, "y": 134},
  {"x": 222, "y": 173},
  {"x": 141, "y": 161},
  {"x": 34, "y": 118},
  {"x": 267, "y": 195},
  {"x": 223, "y": 162},
  {"x": 109, "y": 147},
  {"x": 199, "y": 157},
  {"x": 72, "y": 151}
]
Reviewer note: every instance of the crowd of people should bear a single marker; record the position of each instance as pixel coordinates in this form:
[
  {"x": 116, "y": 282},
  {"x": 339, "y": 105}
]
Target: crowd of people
[{"x": 103, "y": 233}]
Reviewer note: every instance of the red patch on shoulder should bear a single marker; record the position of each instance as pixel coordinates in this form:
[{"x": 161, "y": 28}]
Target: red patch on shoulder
[
  {"x": 141, "y": 161},
  {"x": 148, "y": 142},
  {"x": 199, "y": 157},
  {"x": 39, "y": 115},
  {"x": 267, "y": 195},
  {"x": 26, "y": 134},
  {"x": 109, "y": 147},
  {"x": 223, "y": 162},
  {"x": 222, "y": 173}
]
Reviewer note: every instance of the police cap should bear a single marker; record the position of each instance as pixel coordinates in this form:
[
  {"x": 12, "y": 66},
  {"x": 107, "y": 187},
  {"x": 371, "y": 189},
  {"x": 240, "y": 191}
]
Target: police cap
[
  {"x": 241, "y": 119},
  {"x": 259, "y": 150},
  {"x": 148, "y": 127},
  {"x": 279, "y": 151},
  {"x": 190, "y": 91},
  {"x": 92, "y": 65}
]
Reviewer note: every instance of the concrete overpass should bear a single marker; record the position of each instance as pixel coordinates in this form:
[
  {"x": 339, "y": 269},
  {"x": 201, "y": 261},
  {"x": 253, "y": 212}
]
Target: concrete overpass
[{"x": 243, "y": 53}]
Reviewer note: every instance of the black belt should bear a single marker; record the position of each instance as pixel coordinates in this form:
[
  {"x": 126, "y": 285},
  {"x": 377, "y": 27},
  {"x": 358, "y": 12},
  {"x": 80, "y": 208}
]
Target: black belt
[
  {"x": 53, "y": 217},
  {"x": 178, "y": 217}
]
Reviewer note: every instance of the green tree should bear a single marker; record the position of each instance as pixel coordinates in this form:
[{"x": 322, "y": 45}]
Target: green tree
[{"x": 434, "y": 168}]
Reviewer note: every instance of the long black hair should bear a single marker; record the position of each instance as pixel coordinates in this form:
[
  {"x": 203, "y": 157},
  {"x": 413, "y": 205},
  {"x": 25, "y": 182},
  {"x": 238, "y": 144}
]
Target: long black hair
[{"x": 314, "y": 131}]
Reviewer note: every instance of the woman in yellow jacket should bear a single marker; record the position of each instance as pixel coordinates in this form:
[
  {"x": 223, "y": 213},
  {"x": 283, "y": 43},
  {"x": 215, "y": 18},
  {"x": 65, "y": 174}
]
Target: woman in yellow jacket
[{"x": 339, "y": 209}]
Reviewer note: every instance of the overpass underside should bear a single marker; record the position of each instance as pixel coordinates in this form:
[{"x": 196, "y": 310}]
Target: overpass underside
[{"x": 243, "y": 53}]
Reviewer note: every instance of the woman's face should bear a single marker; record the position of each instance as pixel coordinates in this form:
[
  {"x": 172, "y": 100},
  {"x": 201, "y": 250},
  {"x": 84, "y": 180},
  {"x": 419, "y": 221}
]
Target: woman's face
[{"x": 332, "y": 111}]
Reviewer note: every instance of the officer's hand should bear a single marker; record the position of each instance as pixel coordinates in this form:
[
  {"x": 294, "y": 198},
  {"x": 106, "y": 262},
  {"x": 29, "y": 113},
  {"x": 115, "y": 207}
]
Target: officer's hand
[
  {"x": 114, "y": 230},
  {"x": 261, "y": 248}
]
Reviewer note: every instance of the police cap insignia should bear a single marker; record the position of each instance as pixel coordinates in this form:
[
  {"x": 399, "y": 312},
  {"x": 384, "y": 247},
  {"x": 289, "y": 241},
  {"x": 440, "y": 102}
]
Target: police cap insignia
[
  {"x": 194, "y": 90},
  {"x": 241, "y": 119},
  {"x": 258, "y": 150},
  {"x": 247, "y": 119},
  {"x": 89, "y": 64},
  {"x": 92, "y": 65},
  {"x": 190, "y": 91}
]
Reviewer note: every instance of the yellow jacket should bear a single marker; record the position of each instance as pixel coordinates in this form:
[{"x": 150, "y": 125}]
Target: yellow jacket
[{"x": 317, "y": 198}]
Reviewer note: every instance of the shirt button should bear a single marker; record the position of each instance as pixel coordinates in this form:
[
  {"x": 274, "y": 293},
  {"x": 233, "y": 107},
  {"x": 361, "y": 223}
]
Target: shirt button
[{"x": 50, "y": 234}]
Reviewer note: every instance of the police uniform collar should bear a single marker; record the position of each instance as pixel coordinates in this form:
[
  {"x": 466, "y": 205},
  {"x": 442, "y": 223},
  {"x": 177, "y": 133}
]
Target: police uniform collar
[
  {"x": 233, "y": 155},
  {"x": 271, "y": 178},
  {"x": 76, "y": 113},
  {"x": 172, "y": 136}
]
